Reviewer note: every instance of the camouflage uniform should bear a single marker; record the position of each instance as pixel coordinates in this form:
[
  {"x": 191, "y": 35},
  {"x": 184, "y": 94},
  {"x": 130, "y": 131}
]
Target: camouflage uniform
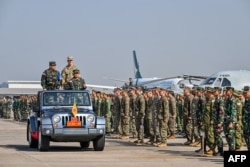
[
  {"x": 230, "y": 118},
  {"x": 149, "y": 115},
  {"x": 187, "y": 116},
  {"x": 67, "y": 72},
  {"x": 77, "y": 84},
  {"x": 163, "y": 116},
  {"x": 50, "y": 79},
  {"x": 246, "y": 116},
  {"x": 133, "y": 114},
  {"x": 16, "y": 105},
  {"x": 125, "y": 115},
  {"x": 156, "y": 99},
  {"x": 107, "y": 112},
  {"x": 238, "y": 126},
  {"x": 117, "y": 113},
  {"x": 208, "y": 122},
  {"x": 139, "y": 119},
  {"x": 218, "y": 118},
  {"x": 172, "y": 116},
  {"x": 179, "y": 113}
]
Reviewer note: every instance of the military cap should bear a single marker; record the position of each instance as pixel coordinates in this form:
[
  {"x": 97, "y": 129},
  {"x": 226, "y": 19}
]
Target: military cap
[
  {"x": 200, "y": 89},
  {"x": 70, "y": 58},
  {"x": 246, "y": 88},
  {"x": 180, "y": 94},
  {"x": 118, "y": 89},
  {"x": 138, "y": 87},
  {"x": 209, "y": 89},
  {"x": 132, "y": 88},
  {"x": 187, "y": 87},
  {"x": 52, "y": 63},
  {"x": 229, "y": 88},
  {"x": 237, "y": 93},
  {"x": 217, "y": 88},
  {"x": 76, "y": 71}
]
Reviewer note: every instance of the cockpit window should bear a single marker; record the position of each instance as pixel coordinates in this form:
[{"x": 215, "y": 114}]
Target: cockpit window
[
  {"x": 66, "y": 98},
  {"x": 225, "y": 82},
  {"x": 208, "y": 81}
]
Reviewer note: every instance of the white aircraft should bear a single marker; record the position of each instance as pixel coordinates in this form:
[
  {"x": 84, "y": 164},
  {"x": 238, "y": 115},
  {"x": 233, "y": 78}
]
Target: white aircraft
[
  {"x": 173, "y": 83},
  {"x": 235, "y": 78}
]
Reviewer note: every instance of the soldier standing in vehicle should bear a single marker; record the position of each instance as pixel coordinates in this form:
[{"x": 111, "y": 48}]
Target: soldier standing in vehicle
[
  {"x": 67, "y": 72},
  {"x": 77, "y": 82},
  {"x": 50, "y": 79}
]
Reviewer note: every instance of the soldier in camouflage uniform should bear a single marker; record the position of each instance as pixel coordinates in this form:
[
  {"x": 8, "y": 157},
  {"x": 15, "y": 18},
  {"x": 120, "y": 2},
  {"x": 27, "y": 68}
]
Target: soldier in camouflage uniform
[
  {"x": 146, "y": 128},
  {"x": 1, "y": 107},
  {"x": 163, "y": 117},
  {"x": 156, "y": 99},
  {"x": 200, "y": 109},
  {"x": 207, "y": 121},
  {"x": 246, "y": 116},
  {"x": 117, "y": 112},
  {"x": 172, "y": 115},
  {"x": 107, "y": 112},
  {"x": 218, "y": 118},
  {"x": 77, "y": 82},
  {"x": 16, "y": 105},
  {"x": 230, "y": 118},
  {"x": 150, "y": 115},
  {"x": 125, "y": 115},
  {"x": 67, "y": 72},
  {"x": 139, "y": 118},
  {"x": 179, "y": 112},
  {"x": 8, "y": 107},
  {"x": 50, "y": 79},
  {"x": 23, "y": 108},
  {"x": 132, "y": 111},
  {"x": 187, "y": 119},
  {"x": 238, "y": 125}
]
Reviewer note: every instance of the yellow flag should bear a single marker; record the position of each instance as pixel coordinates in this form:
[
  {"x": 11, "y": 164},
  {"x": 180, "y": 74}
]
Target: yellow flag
[{"x": 74, "y": 109}]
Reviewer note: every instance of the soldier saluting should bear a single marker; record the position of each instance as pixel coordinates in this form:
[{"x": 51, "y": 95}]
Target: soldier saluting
[{"x": 77, "y": 82}]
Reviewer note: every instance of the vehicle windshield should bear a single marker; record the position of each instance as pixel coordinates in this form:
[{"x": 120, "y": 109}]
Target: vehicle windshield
[
  {"x": 66, "y": 98},
  {"x": 208, "y": 81}
]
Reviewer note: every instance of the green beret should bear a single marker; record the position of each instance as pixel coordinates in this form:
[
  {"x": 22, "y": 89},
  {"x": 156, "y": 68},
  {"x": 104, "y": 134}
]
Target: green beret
[
  {"x": 52, "y": 63},
  {"x": 246, "y": 88}
]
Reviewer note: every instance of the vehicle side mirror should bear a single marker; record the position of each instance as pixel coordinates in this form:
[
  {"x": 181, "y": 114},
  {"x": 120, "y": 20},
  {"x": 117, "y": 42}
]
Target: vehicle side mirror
[{"x": 36, "y": 108}]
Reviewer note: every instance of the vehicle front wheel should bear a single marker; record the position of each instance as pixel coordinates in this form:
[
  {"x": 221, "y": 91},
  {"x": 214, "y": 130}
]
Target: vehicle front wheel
[
  {"x": 85, "y": 144},
  {"x": 43, "y": 141},
  {"x": 33, "y": 143},
  {"x": 99, "y": 143}
]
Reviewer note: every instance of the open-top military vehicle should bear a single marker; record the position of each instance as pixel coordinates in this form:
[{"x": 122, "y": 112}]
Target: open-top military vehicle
[{"x": 65, "y": 116}]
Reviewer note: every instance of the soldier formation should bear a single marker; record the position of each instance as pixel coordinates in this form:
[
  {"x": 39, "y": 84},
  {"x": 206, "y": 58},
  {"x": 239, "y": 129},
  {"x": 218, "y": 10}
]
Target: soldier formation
[{"x": 202, "y": 115}]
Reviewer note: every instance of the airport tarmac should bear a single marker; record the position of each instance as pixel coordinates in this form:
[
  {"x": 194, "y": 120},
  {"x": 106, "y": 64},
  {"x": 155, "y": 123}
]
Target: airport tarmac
[{"x": 14, "y": 151}]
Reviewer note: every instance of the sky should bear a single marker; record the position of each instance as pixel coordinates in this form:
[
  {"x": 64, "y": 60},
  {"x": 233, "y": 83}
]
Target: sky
[{"x": 170, "y": 37}]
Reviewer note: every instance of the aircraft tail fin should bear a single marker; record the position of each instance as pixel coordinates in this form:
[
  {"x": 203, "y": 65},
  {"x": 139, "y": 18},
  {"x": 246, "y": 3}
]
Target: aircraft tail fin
[{"x": 137, "y": 70}]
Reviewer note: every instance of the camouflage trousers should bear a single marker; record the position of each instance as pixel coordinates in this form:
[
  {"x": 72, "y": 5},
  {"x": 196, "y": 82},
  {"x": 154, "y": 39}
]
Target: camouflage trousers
[
  {"x": 108, "y": 124},
  {"x": 163, "y": 130},
  {"x": 24, "y": 114},
  {"x": 16, "y": 114},
  {"x": 247, "y": 137},
  {"x": 218, "y": 140},
  {"x": 171, "y": 126},
  {"x": 230, "y": 135},
  {"x": 179, "y": 122},
  {"x": 133, "y": 127},
  {"x": 209, "y": 136},
  {"x": 151, "y": 130},
  {"x": 238, "y": 137},
  {"x": 117, "y": 124},
  {"x": 192, "y": 130},
  {"x": 139, "y": 127},
  {"x": 125, "y": 126}
]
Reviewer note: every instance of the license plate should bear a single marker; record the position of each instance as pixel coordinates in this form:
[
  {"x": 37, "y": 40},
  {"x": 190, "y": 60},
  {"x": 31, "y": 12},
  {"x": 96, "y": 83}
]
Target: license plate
[{"x": 74, "y": 123}]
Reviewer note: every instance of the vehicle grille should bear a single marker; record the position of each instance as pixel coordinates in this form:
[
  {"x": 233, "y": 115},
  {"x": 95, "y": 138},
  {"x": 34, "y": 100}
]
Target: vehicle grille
[{"x": 68, "y": 118}]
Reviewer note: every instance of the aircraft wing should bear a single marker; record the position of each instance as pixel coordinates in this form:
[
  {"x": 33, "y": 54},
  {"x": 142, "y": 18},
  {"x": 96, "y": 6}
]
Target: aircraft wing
[
  {"x": 104, "y": 87},
  {"x": 120, "y": 80}
]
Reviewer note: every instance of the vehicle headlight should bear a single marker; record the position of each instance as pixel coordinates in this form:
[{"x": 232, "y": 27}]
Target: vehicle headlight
[
  {"x": 56, "y": 118},
  {"x": 90, "y": 118}
]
